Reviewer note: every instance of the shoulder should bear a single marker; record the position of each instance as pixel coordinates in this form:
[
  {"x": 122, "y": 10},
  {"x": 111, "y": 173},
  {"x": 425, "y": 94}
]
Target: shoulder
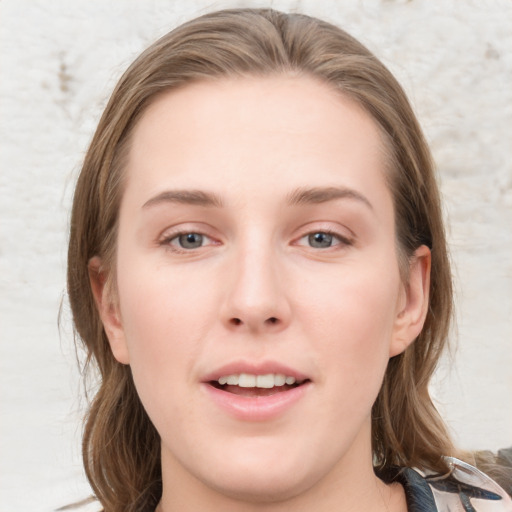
[
  {"x": 466, "y": 489},
  {"x": 463, "y": 489}
]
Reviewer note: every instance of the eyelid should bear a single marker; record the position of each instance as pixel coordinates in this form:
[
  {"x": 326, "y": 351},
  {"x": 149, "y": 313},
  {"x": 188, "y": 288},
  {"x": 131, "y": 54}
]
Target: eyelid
[
  {"x": 341, "y": 240},
  {"x": 342, "y": 233},
  {"x": 172, "y": 233}
]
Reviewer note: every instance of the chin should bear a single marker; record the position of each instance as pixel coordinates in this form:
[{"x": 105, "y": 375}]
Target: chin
[
  {"x": 261, "y": 472},
  {"x": 261, "y": 486}
]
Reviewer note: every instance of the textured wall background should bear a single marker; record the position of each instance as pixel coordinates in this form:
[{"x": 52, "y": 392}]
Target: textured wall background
[{"x": 59, "y": 61}]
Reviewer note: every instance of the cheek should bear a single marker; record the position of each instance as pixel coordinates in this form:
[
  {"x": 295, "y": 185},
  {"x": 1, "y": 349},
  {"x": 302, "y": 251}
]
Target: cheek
[
  {"x": 165, "y": 321},
  {"x": 160, "y": 304},
  {"x": 352, "y": 319}
]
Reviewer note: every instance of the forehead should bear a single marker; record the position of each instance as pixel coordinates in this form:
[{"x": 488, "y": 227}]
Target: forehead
[{"x": 237, "y": 134}]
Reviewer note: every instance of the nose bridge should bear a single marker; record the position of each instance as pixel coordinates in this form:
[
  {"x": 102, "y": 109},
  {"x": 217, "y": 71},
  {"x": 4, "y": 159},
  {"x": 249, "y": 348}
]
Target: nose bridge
[{"x": 256, "y": 298}]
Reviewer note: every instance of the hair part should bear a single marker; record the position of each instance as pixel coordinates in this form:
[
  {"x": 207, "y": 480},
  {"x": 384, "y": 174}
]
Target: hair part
[{"x": 120, "y": 445}]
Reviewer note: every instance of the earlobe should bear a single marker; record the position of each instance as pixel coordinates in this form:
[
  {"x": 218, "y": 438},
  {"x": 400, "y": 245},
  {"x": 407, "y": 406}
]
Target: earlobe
[
  {"x": 413, "y": 307},
  {"x": 108, "y": 310}
]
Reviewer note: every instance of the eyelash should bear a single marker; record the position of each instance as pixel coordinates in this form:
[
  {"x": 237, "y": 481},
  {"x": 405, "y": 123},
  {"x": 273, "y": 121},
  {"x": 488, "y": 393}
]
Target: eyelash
[
  {"x": 168, "y": 241},
  {"x": 175, "y": 237},
  {"x": 341, "y": 240}
]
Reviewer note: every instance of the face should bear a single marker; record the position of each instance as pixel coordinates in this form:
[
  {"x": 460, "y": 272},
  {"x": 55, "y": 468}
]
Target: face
[{"x": 259, "y": 294}]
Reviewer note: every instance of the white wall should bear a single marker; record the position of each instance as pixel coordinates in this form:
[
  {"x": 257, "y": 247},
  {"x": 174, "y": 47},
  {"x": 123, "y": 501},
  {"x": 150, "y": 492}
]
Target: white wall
[{"x": 58, "y": 62}]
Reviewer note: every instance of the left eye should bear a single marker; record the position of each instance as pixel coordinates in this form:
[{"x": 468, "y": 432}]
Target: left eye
[
  {"x": 189, "y": 240},
  {"x": 320, "y": 240}
]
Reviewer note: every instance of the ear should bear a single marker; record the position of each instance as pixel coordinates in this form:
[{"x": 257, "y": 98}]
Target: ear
[
  {"x": 108, "y": 310},
  {"x": 413, "y": 302}
]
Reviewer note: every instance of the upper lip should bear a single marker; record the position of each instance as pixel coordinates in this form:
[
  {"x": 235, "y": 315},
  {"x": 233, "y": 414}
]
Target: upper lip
[{"x": 254, "y": 368}]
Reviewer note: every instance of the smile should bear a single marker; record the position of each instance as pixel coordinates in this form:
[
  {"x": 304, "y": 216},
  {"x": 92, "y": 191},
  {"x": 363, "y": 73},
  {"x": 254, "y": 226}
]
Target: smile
[
  {"x": 247, "y": 384},
  {"x": 251, "y": 385}
]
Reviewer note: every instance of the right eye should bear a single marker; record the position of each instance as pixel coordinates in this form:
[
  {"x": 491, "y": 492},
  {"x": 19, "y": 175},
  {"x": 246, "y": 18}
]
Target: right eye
[
  {"x": 321, "y": 240},
  {"x": 187, "y": 241}
]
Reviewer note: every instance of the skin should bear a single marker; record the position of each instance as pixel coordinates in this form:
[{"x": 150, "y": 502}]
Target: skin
[{"x": 257, "y": 290}]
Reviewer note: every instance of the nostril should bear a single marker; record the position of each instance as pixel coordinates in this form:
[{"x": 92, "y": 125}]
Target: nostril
[{"x": 269, "y": 321}]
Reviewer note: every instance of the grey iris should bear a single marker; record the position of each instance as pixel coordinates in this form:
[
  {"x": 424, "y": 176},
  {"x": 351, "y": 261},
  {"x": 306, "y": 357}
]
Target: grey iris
[
  {"x": 191, "y": 240},
  {"x": 320, "y": 240}
]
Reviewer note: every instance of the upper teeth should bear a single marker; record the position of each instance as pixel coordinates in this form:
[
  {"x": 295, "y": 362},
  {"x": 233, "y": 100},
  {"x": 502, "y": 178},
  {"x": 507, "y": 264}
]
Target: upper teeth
[{"x": 247, "y": 380}]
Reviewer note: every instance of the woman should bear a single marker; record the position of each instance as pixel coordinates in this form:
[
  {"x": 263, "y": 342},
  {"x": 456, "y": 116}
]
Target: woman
[{"x": 258, "y": 267}]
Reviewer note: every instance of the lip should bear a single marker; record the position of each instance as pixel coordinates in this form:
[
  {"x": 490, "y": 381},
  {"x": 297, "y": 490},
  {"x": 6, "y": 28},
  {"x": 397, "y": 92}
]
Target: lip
[{"x": 255, "y": 408}]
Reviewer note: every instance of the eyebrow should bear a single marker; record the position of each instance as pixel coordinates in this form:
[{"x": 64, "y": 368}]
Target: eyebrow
[
  {"x": 192, "y": 197},
  {"x": 300, "y": 196},
  {"x": 319, "y": 195}
]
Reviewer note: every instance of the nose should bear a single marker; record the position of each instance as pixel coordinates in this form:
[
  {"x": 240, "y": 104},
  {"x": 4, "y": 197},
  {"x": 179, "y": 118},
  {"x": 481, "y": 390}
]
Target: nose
[{"x": 256, "y": 300}]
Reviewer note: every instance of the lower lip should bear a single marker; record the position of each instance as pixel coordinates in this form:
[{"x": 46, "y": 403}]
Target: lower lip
[{"x": 257, "y": 408}]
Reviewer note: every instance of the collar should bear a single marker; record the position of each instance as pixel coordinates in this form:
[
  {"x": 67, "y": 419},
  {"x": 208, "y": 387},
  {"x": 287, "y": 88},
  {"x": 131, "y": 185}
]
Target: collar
[{"x": 418, "y": 494}]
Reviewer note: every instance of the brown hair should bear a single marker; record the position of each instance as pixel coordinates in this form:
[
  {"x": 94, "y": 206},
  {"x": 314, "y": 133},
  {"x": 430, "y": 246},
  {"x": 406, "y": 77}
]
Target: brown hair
[{"x": 120, "y": 445}]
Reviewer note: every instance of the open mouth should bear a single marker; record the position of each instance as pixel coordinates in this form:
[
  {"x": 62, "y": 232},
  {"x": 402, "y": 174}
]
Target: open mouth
[{"x": 246, "y": 384}]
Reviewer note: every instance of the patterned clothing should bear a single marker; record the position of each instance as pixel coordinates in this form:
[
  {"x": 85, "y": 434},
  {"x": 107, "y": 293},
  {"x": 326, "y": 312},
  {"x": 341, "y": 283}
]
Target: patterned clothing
[{"x": 463, "y": 489}]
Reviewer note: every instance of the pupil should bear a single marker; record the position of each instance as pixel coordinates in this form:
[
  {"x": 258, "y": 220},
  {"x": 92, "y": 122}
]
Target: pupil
[
  {"x": 320, "y": 240},
  {"x": 191, "y": 240}
]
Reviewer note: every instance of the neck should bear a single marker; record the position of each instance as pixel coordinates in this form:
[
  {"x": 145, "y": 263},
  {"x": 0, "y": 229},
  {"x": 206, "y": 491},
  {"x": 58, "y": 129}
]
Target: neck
[{"x": 378, "y": 497}]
